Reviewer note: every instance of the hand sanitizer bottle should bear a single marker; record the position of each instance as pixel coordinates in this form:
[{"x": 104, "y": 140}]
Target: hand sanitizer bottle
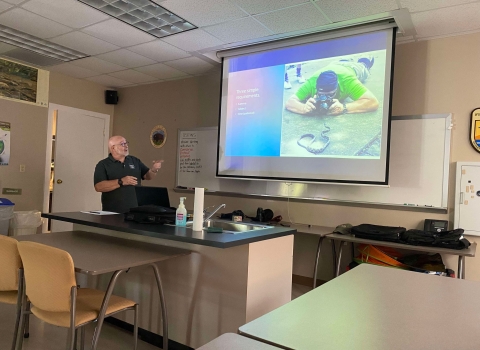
[{"x": 181, "y": 214}]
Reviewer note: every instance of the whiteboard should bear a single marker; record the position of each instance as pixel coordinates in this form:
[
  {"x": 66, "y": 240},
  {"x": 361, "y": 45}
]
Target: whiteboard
[{"x": 419, "y": 165}]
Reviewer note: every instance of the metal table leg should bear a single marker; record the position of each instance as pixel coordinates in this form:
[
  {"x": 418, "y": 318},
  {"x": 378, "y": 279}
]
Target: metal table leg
[
  {"x": 334, "y": 257},
  {"x": 164, "y": 306},
  {"x": 461, "y": 267},
  {"x": 339, "y": 259},
  {"x": 103, "y": 309},
  {"x": 315, "y": 267}
]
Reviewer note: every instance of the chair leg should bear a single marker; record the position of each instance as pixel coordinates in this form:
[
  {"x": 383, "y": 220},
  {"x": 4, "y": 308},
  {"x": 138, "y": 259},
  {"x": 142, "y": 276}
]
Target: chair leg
[
  {"x": 135, "y": 327},
  {"x": 82, "y": 338},
  {"x": 72, "y": 332},
  {"x": 26, "y": 330},
  {"x": 21, "y": 326},
  {"x": 19, "y": 307}
]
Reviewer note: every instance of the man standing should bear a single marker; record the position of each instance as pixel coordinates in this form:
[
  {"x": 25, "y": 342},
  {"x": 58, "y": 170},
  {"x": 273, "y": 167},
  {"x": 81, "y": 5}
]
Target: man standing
[
  {"x": 117, "y": 175},
  {"x": 329, "y": 87}
]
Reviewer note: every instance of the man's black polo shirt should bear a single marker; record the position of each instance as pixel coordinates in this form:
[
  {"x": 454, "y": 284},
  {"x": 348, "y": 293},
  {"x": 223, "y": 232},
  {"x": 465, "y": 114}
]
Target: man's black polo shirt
[{"x": 123, "y": 198}]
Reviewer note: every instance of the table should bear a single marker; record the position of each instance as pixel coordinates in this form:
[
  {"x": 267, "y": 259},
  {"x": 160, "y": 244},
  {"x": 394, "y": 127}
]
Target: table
[
  {"x": 321, "y": 232},
  {"x": 462, "y": 253},
  {"x": 376, "y": 308},
  {"x": 96, "y": 254},
  {"x": 232, "y": 341}
]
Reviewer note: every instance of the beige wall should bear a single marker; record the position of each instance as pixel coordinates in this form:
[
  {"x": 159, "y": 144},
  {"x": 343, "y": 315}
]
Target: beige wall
[
  {"x": 29, "y": 135},
  {"x": 437, "y": 76}
]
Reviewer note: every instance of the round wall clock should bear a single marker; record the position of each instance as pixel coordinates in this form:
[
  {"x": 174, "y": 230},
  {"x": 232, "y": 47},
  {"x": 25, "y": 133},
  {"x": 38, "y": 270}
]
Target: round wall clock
[
  {"x": 158, "y": 136},
  {"x": 475, "y": 129}
]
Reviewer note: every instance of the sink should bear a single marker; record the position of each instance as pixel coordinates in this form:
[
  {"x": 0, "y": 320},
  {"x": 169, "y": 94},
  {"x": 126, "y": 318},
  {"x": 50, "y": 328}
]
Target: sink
[{"x": 232, "y": 227}]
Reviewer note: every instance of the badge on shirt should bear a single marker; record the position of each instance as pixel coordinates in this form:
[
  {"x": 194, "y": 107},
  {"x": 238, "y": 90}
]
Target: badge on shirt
[{"x": 132, "y": 166}]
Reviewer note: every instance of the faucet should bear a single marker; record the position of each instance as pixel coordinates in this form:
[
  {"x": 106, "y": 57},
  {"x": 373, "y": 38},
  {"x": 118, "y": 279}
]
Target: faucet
[{"x": 208, "y": 216}]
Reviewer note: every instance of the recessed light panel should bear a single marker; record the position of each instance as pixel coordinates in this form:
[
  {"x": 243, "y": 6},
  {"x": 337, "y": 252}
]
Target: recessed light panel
[
  {"x": 144, "y": 15},
  {"x": 37, "y": 45}
]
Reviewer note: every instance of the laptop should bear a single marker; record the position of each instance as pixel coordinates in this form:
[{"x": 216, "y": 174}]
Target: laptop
[{"x": 152, "y": 196}]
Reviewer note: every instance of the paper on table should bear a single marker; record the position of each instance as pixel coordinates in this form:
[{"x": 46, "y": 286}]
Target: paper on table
[
  {"x": 99, "y": 212},
  {"x": 198, "y": 209}
]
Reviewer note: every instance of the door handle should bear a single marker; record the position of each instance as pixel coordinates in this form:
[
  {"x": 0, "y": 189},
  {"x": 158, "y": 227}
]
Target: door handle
[{"x": 59, "y": 181}]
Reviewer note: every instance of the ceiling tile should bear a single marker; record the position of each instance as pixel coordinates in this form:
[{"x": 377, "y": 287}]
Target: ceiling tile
[
  {"x": 71, "y": 13},
  {"x": 14, "y": 2},
  {"x": 133, "y": 76},
  {"x": 109, "y": 81},
  {"x": 161, "y": 71},
  {"x": 255, "y": 7},
  {"x": 341, "y": 10},
  {"x": 4, "y": 6},
  {"x": 205, "y": 12},
  {"x": 423, "y": 5},
  {"x": 287, "y": 20},
  {"x": 84, "y": 43},
  {"x": 31, "y": 23},
  {"x": 193, "y": 40},
  {"x": 159, "y": 51},
  {"x": 126, "y": 58},
  {"x": 447, "y": 21},
  {"x": 239, "y": 30},
  {"x": 73, "y": 71},
  {"x": 118, "y": 33},
  {"x": 98, "y": 65},
  {"x": 191, "y": 65}
]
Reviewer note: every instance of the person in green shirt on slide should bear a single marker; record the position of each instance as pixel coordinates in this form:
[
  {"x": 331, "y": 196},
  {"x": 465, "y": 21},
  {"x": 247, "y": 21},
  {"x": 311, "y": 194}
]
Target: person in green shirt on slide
[{"x": 326, "y": 90}]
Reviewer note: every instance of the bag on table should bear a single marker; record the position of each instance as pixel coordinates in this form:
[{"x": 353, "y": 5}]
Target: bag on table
[
  {"x": 378, "y": 233},
  {"x": 446, "y": 239}
]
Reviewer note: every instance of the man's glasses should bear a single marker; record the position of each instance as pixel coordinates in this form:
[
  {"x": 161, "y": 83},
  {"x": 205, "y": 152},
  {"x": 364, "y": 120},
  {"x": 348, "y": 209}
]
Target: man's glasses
[{"x": 123, "y": 144}]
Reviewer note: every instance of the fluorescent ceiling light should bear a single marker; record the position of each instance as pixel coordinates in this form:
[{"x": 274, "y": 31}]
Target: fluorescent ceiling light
[
  {"x": 37, "y": 45},
  {"x": 144, "y": 15}
]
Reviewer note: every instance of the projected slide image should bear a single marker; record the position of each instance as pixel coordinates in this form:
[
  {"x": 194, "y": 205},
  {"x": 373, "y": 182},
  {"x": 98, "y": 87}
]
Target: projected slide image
[{"x": 315, "y": 94}]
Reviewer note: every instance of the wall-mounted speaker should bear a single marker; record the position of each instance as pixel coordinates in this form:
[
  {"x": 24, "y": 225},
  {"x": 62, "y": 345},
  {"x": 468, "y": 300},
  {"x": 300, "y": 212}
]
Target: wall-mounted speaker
[{"x": 111, "y": 97}]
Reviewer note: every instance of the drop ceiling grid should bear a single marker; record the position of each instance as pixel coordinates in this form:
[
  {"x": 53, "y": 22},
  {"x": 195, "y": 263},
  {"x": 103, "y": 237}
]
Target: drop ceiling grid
[
  {"x": 98, "y": 65},
  {"x": 239, "y": 30},
  {"x": 342, "y": 10},
  {"x": 126, "y": 58},
  {"x": 288, "y": 20},
  {"x": 425, "y": 5},
  {"x": 84, "y": 43},
  {"x": 133, "y": 76},
  {"x": 446, "y": 21},
  {"x": 4, "y": 6},
  {"x": 32, "y": 24},
  {"x": 159, "y": 51},
  {"x": 255, "y": 7},
  {"x": 73, "y": 71},
  {"x": 162, "y": 71},
  {"x": 71, "y": 13},
  {"x": 107, "y": 80},
  {"x": 205, "y": 12}
]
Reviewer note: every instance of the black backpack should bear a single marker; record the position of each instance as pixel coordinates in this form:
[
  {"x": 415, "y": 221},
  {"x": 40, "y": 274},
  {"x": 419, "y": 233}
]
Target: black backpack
[
  {"x": 379, "y": 233},
  {"x": 446, "y": 239}
]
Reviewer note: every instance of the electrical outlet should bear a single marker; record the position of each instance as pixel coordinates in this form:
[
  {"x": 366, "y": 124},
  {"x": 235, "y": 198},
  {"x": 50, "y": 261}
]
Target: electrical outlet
[{"x": 22, "y": 168}]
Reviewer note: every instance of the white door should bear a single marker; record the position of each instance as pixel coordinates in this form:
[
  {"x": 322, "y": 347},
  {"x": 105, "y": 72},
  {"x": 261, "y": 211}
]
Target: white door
[
  {"x": 80, "y": 143},
  {"x": 469, "y": 202}
]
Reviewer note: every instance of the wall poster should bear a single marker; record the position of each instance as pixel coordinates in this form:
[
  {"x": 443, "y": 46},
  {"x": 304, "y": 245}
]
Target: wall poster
[{"x": 4, "y": 143}]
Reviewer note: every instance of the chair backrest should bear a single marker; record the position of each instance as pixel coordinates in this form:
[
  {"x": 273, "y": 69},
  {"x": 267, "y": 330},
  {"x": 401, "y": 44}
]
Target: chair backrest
[
  {"x": 10, "y": 262},
  {"x": 49, "y": 276}
]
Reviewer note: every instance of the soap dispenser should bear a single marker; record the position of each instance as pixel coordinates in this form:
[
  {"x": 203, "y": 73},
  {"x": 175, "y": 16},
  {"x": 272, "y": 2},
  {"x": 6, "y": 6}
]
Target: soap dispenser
[{"x": 181, "y": 214}]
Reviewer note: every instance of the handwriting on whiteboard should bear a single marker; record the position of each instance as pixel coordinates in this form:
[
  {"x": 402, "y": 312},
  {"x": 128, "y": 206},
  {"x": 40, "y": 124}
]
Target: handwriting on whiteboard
[{"x": 189, "y": 162}]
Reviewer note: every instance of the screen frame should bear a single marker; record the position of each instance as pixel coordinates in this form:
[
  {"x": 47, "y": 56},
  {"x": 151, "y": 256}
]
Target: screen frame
[{"x": 343, "y": 33}]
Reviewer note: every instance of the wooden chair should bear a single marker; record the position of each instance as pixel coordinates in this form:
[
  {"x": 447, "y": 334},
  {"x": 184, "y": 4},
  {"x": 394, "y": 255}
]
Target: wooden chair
[
  {"x": 11, "y": 279},
  {"x": 55, "y": 298}
]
